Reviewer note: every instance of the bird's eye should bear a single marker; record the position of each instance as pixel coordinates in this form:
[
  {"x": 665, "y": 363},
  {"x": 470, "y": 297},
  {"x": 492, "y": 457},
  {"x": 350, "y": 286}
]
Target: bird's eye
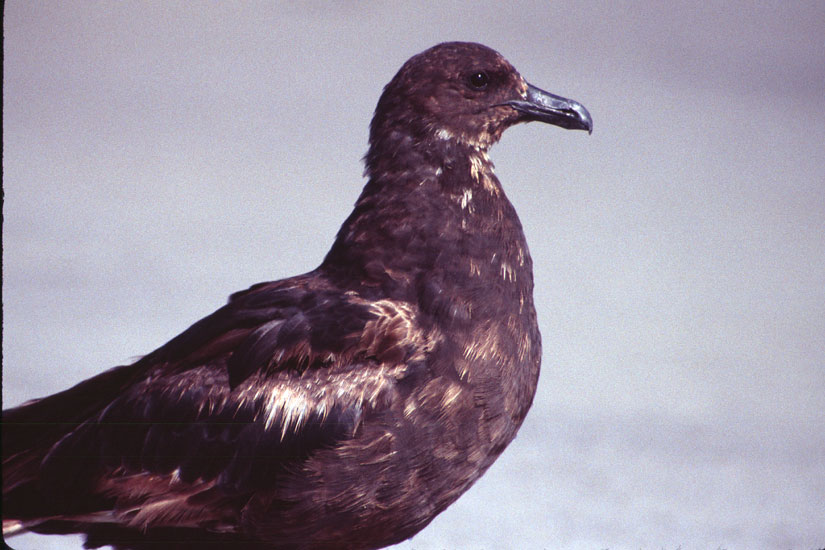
[{"x": 479, "y": 80}]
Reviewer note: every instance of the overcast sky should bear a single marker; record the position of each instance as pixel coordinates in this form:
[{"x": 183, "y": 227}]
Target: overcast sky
[{"x": 160, "y": 155}]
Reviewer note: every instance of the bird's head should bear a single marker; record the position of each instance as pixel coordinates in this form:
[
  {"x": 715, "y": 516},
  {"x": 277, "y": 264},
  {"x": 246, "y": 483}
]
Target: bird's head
[{"x": 468, "y": 93}]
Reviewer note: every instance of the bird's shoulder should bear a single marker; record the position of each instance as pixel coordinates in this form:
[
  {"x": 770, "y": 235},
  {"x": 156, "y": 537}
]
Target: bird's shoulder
[{"x": 294, "y": 325}]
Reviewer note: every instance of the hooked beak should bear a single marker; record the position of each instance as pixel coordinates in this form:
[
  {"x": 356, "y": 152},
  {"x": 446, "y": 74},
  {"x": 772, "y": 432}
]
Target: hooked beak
[{"x": 552, "y": 109}]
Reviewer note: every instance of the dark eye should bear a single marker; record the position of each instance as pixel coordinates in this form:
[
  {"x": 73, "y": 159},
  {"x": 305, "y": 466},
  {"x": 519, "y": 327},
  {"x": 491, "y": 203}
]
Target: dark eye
[{"x": 479, "y": 80}]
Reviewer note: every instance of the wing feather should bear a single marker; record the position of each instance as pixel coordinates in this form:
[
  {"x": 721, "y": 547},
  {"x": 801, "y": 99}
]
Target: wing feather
[{"x": 234, "y": 403}]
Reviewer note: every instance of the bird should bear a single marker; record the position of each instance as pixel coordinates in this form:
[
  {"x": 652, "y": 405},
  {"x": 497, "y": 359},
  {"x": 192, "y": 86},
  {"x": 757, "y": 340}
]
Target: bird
[{"x": 342, "y": 408}]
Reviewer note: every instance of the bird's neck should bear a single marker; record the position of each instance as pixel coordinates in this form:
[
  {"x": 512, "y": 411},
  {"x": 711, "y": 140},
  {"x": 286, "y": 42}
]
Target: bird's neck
[{"x": 433, "y": 218}]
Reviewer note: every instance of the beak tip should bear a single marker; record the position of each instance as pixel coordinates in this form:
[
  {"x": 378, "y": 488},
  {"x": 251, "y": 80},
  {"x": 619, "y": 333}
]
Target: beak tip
[{"x": 584, "y": 116}]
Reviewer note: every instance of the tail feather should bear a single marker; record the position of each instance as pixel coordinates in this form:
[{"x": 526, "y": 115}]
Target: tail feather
[
  {"x": 13, "y": 527},
  {"x": 30, "y": 431},
  {"x": 48, "y": 418}
]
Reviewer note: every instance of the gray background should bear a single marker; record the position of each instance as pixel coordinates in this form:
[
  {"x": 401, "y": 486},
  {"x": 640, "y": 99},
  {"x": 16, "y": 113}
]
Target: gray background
[{"x": 158, "y": 156}]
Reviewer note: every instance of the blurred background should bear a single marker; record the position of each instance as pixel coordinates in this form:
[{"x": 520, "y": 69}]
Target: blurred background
[{"x": 160, "y": 155}]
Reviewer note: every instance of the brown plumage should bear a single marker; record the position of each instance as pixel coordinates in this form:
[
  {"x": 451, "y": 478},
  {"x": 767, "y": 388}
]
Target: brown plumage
[{"x": 342, "y": 408}]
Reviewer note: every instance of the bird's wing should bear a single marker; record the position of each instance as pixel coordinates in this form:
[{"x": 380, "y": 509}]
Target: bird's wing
[{"x": 236, "y": 401}]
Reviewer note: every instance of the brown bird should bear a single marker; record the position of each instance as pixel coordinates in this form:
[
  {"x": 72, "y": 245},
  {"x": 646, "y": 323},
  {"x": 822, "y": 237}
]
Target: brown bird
[{"x": 342, "y": 408}]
